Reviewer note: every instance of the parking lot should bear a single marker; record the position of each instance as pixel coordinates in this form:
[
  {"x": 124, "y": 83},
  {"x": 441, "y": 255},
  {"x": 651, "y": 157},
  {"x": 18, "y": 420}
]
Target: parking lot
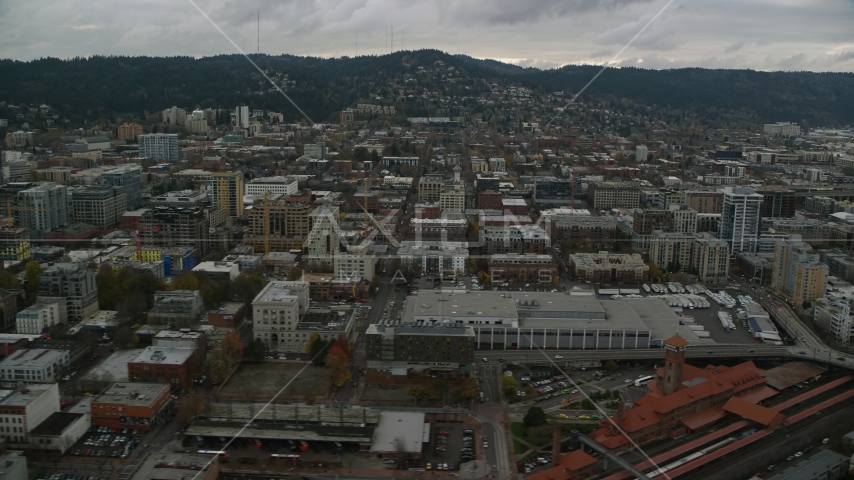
[
  {"x": 450, "y": 444},
  {"x": 106, "y": 442}
]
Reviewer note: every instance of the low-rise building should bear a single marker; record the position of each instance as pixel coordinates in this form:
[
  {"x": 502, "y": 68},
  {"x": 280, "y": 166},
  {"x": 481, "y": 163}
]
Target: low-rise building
[
  {"x": 34, "y": 365},
  {"x": 138, "y": 406},
  {"x": 37, "y": 318},
  {"x": 228, "y": 315},
  {"x": 606, "y": 267},
  {"x": 446, "y": 349},
  {"x": 434, "y": 258},
  {"x": 528, "y": 267},
  {"x": 22, "y": 410},
  {"x": 165, "y": 365},
  {"x": 514, "y": 239},
  {"x": 177, "y": 307},
  {"x": 59, "y": 432},
  {"x": 824, "y": 465}
]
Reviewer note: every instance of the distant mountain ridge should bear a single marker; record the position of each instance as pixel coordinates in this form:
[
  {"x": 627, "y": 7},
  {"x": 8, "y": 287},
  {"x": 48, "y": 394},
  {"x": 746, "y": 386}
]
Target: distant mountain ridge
[{"x": 103, "y": 87}]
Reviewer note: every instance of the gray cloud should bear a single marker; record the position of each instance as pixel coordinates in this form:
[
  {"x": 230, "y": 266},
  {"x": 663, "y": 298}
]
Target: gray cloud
[{"x": 759, "y": 34}]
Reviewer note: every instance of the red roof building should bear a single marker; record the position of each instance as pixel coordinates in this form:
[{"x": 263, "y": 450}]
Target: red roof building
[
  {"x": 575, "y": 465},
  {"x": 698, "y": 398}
]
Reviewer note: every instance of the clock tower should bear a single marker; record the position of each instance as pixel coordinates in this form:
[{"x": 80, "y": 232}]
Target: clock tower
[{"x": 674, "y": 359}]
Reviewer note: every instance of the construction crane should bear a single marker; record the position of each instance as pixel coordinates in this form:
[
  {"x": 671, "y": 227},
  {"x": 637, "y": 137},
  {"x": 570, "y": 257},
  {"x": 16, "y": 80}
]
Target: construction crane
[{"x": 10, "y": 208}]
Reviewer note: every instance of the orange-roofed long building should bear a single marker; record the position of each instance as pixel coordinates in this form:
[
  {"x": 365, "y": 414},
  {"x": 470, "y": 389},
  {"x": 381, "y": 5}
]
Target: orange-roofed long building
[{"x": 686, "y": 398}]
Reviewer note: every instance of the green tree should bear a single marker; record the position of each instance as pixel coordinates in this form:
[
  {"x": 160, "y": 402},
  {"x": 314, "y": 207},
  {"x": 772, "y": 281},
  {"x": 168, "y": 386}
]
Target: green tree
[
  {"x": 33, "y": 272},
  {"x": 257, "y": 350},
  {"x": 316, "y": 350},
  {"x": 534, "y": 417},
  {"x": 540, "y": 434},
  {"x": 8, "y": 280},
  {"x": 611, "y": 366},
  {"x": 806, "y": 305},
  {"x": 417, "y": 393},
  {"x": 218, "y": 367},
  {"x": 184, "y": 281},
  {"x": 509, "y": 386},
  {"x": 247, "y": 286},
  {"x": 470, "y": 388}
]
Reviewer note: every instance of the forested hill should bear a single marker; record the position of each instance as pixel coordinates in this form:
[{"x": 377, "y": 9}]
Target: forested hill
[{"x": 105, "y": 87}]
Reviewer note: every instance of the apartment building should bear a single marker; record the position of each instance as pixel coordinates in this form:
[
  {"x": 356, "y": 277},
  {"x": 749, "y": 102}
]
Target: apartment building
[
  {"x": 24, "y": 409},
  {"x": 33, "y": 365},
  {"x": 741, "y": 218},
  {"x": 452, "y": 198},
  {"x": 162, "y": 147},
  {"x": 43, "y": 208},
  {"x": 37, "y": 318},
  {"x": 684, "y": 218},
  {"x": 129, "y": 131},
  {"x": 641, "y": 152},
  {"x": 487, "y": 181},
  {"x": 527, "y": 267},
  {"x": 608, "y": 195},
  {"x": 241, "y": 116},
  {"x": 593, "y": 231},
  {"x": 514, "y": 239},
  {"x": 277, "y": 310},
  {"x": 798, "y": 271},
  {"x": 777, "y": 202},
  {"x": 434, "y": 258},
  {"x": 704, "y": 201},
  {"x": 710, "y": 259},
  {"x": 782, "y": 129},
  {"x": 176, "y": 227},
  {"x": 76, "y": 283},
  {"x": 323, "y": 242},
  {"x": 354, "y": 266},
  {"x": 605, "y": 267},
  {"x": 834, "y": 317},
  {"x": 287, "y": 219},
  {"x": 14, "y": 243},
  {"x": 432, "y": 229},
  {"x": 670, "y": 248},
  {"x": 180, "y": 308},
  {"x": 137, "y": 406},
  {"x": 645, "y": 221},
  {"x": 279, "y": 185},
  {"x": 227, "y": 192},
  {"x": 180, "y": 198},
  {"x": 128, "y": 177},
  {"x": 99, "y": 206},
  {"x": 497, "y": 164},
  {"x": 314, "y": 150},
  {"x": 400, "y": 161},
  {"x": 429, "y": 188},
  {"x": 552, "y": 190}
]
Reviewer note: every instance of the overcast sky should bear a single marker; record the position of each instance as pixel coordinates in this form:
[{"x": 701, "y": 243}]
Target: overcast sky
[{"x": 813, "y": 35}]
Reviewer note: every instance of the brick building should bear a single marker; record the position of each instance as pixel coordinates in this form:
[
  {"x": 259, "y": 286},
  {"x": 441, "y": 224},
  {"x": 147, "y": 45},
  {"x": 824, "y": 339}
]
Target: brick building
[
  {"x": 229, "y": 315},
  {"x": 490, "y": 200},
  {"x": 138, "y": 406},
  {"x": 174, "y": 366},
  {"x": 684, "y": 399}
]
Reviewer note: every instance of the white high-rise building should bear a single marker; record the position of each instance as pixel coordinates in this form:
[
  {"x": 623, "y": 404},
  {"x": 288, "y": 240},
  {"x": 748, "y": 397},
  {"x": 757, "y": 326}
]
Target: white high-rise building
[
  {"x": 640, "y": 153},
  {"x": 43, "y": 208},
  {"x": 740, "y": 219},
  {"x": 782, "y": 129},
  {"x": 159, "y": 146},
  {"x": 241, "y": 116}
]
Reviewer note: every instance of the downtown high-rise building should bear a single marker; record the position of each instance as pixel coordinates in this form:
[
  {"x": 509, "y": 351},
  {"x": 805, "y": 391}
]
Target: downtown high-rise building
[
  {"x": 162, "y": 147},
  {"x": 128, "y": 177},
  {"x": 741, "y": 218}
]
